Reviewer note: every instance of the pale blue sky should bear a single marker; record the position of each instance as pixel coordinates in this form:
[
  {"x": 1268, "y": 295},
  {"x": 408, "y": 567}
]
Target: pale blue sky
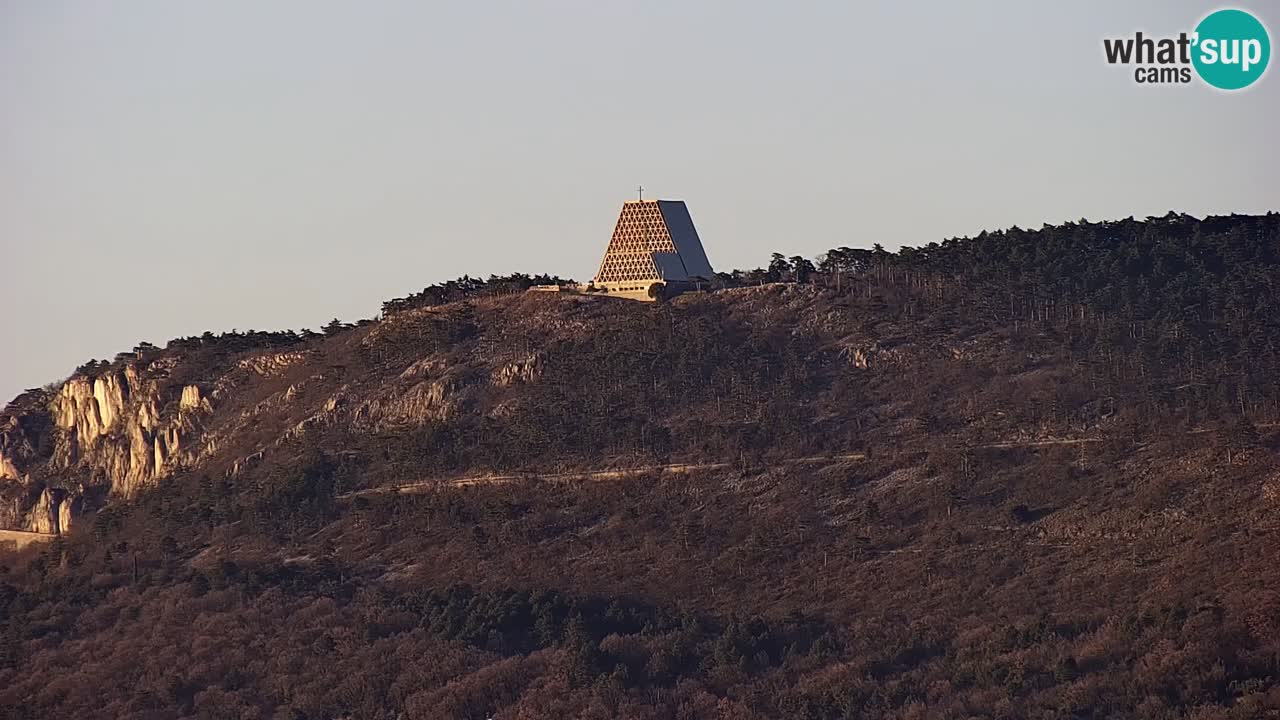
[{"x": 168, "y": 168}]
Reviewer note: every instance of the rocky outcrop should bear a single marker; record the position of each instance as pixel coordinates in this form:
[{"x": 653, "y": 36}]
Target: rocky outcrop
[
  {"x": 118, "y": 428},
  {"x": 54, "y": 512},
  {"x": 270, "y": 364},
  {"x": 68, "y": 511},
  {"x": 78, "y": 408},
  {"x": 191, "y": 399},
  {"x": 43, "y": 517},
  {"x": 425, "y": 367},
  {"x": 8, "y": 471},
  {"x": 429, "y": 390},
  {"x": 864, "y": 356},
  {"x": 429, "y": 400},
  {"x": 518, "y": 372}
]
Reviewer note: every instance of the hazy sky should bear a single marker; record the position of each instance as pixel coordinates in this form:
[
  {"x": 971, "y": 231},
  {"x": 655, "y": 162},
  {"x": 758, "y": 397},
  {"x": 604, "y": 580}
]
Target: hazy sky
[{"x": 168, "y": 168}]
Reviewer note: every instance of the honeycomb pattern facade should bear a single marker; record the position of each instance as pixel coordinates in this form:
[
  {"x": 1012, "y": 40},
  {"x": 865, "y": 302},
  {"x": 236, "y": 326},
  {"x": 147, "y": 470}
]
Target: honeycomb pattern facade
[{"x": 641, "y": 231}]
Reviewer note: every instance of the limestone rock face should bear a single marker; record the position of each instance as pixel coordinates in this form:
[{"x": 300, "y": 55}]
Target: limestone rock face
[
  {"x": 110, "y": 392},
  {"x": 421, "y": 403},
  {"x": 43, "y": 517},
  {"x": 223, "y": 405},
  {"x": 76, "y": 408},
  {"x": 67, "y": 512},
  {"x": 192, "y": 400},
  {"x": 269, "y": 364},
  {"x": 8, "y": 471},
  {"x": 122, "y": 428},
  {"x": 15, "y": 497},
  {"x": 54, "y": 512},
  {"x": 428, "y": 390}
]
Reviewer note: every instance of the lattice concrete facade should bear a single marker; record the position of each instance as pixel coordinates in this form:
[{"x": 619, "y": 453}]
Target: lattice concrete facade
[{"x": 654, "y": 243}]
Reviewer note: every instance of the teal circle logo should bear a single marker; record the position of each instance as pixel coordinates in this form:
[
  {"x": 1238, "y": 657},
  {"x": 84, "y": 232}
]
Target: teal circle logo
[{"x": 1231, "y": 49}]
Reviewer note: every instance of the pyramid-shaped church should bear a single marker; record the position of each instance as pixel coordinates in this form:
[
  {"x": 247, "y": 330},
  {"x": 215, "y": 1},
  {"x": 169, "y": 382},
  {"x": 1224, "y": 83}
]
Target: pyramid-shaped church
[{"x": 655, "y": 252}]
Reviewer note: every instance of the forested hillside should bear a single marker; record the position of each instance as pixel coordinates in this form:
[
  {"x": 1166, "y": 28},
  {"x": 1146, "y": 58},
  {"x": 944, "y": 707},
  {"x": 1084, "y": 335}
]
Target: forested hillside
[{"x": 1026, "y": 474}]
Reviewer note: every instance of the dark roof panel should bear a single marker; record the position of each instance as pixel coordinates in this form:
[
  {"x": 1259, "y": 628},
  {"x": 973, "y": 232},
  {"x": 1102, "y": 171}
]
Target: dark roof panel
[{"x": 685, "y": 237}]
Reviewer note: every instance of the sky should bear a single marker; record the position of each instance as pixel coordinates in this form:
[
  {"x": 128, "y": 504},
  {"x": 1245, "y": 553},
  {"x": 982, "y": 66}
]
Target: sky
[{"x": 168, "y": 168}]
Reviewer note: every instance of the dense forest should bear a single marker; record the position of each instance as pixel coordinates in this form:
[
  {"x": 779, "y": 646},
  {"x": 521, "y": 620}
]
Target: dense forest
[
  {"x": 1025, "y": 474},
  {"x": 467, "y": 287}
]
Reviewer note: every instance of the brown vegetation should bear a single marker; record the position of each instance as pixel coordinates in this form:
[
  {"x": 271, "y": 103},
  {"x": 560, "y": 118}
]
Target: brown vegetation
[{"x": 968, "y": 565}]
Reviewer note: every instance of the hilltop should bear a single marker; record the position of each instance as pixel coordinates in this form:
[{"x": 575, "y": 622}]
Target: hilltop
[{"x": 1030, "y": 473}]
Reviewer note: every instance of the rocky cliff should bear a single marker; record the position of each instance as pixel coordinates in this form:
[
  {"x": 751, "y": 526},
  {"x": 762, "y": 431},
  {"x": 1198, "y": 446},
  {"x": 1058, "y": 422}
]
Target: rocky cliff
[
  {"x": 502, "y": 384},
  {"x": 219, "y": 406},
  {"x": 107, "y": 434}
]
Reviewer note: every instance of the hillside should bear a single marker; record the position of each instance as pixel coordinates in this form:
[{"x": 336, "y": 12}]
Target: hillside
[{"x": 1027, "y": 474}]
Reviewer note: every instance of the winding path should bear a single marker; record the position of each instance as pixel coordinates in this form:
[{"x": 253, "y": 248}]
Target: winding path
[{"x": 673, "y": 468}]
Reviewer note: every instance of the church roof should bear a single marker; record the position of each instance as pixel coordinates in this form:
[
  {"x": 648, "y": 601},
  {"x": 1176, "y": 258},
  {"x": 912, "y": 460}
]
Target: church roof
[{"x": 654, "y": 240}]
